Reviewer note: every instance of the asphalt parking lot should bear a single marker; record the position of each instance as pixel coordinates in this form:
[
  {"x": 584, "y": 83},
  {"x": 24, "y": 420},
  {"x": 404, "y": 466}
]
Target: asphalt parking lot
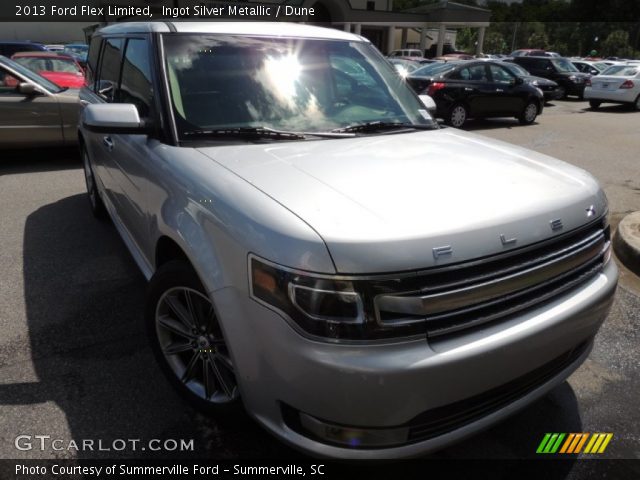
[{"x": 74, "y": 362}]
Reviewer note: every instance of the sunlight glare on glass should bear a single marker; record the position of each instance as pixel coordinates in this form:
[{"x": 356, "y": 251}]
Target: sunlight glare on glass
[{"x": 283, "y": 73}]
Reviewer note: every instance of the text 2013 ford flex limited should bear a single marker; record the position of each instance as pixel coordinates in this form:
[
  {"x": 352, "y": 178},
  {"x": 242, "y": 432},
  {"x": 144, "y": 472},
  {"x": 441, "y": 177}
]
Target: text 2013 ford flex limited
[{"x": 365, "y": 283}]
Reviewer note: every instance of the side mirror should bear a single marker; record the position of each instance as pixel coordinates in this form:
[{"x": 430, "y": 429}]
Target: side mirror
[
  {"x": 429, "y": 103},
  {"x": 29, "y": 89},
  {"x": 114, "y": 118},
  {"x": 519, "y": 81}
]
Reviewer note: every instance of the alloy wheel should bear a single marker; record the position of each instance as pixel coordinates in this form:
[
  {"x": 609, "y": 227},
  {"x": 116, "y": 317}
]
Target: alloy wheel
[
  {"x": 458, "y": 116},
  {"x": 531, "y": 112},
  {"x": 192, "y": 343}
]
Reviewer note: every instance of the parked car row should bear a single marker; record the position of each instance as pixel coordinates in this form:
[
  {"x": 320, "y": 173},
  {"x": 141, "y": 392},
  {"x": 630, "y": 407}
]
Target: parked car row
[
  {"x": 517, "y": 86},
  {"x": 62, "y": 64}
]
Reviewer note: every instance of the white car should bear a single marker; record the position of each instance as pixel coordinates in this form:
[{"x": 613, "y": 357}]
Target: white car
[{"x": 617, "y": 84}]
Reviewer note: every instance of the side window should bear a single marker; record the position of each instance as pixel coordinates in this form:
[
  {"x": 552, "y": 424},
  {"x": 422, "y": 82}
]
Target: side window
[
  {"x": 500, "y": 75},
  {"x": 476, "y": 73},
  {"x": 136, "y": 86},
  {"x": 92, "y": 60},
  {"x": 110, "y": 69},
  {"x": 8, "y": 84}
]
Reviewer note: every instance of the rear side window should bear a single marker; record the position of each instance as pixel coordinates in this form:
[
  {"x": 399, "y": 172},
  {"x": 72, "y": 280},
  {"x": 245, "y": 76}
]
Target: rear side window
[
  {"x": 92, "y": 60},
  {"x": 475, "y": 73},
  {"x": 136, "y": 85},
  {"x": 110, "y": 69}
]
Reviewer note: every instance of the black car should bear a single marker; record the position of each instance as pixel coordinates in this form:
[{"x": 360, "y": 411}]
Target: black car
[
  {"x": 479, "y": 89},
  {"x": 550, "y": 89},
  {"x": 8, "y": 48},
  {"x": 558, "y": 69}
]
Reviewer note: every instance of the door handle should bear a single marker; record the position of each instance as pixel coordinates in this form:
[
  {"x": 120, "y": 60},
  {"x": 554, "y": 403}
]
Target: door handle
[
  {"x": 107, "y": 142},
  {"x": 499, "y": 90},
  {"x": 468, "y": 89}
]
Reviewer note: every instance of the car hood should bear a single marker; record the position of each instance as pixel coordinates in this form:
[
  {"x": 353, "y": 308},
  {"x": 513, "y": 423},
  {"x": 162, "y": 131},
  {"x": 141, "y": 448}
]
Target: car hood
[{"x": 383, "y": 203}]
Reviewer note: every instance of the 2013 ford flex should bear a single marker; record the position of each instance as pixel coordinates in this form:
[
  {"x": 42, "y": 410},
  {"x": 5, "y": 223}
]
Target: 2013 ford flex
[{"x": 365, "y": 283}]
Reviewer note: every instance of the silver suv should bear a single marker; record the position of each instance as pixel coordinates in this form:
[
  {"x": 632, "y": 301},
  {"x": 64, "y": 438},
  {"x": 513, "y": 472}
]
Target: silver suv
[{"x": 365, "y": 283}]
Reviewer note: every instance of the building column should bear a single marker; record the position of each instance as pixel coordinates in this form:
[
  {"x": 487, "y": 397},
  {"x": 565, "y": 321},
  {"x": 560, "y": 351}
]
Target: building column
[
  {"x": 480, "y": 40},
  {"x": 423, "y": 40},
  {"x": 347, "y": 27},
  {"x": 403, "y": 42},
  {"x": 442, "y": 31},
  {"x": 391, "y": 38},
  {"x": 357, "y": 29}
]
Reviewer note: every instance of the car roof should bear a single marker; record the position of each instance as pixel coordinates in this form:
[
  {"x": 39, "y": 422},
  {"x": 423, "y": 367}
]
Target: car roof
[{"x": 278, "y": 29}]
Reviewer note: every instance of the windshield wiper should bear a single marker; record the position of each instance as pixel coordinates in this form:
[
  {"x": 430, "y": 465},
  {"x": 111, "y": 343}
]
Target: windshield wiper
[
  {"x": 261, "y": 132},
  {"x": 377, "y": 126},
  {"x": 245, "y": 132}
]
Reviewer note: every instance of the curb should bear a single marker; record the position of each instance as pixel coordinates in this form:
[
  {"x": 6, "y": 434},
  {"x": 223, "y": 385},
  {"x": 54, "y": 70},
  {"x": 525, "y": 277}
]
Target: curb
[{"x": 626, "y": 242}]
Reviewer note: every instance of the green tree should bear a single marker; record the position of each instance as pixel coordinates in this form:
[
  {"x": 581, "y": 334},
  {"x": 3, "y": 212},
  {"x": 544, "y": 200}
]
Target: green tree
[
  {"x": 494, "y": 43},
  {"x": 538, "y": 40},
  {"x": 617, "y": 44}
]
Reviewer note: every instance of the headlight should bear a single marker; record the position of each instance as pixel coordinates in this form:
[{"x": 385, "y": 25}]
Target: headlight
[
  {"x": 324, "y": 306},
  {"x": 535, "y": 83}
]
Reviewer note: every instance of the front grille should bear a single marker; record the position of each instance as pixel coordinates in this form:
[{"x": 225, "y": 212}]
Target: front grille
[{"x": 474, "y": 294}]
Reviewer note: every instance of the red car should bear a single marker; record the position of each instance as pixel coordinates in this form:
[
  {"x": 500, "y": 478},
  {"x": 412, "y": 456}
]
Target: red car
[{"x": 61, "y": 69}]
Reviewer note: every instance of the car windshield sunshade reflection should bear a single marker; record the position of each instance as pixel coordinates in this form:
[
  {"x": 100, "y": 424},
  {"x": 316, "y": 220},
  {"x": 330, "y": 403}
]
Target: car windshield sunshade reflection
[{"x": 305, "y": 87}]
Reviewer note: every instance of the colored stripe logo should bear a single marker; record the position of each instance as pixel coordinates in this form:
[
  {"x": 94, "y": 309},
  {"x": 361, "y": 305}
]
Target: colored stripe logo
[{"x": 574, "y": 443}]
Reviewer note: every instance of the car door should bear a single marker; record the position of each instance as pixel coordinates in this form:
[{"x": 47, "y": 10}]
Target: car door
[
  {"x": 130, "y": 154},
  {"x": 103, "y": 91},
  {"x": 508, "y": 97},
  {"x": 27, "y": 120},
  {"x": 471, "y": 85}
]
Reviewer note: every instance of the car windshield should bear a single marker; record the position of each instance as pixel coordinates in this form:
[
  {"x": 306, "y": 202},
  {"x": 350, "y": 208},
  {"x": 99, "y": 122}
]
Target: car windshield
[
  {"x": 621, "y": 71},
  {"x": 49, "y": 64},
  {"x": 229, "y": 81},
  {"x": 434, "y": 69},
  {"x": 33, "y": 76},
  {"x": 564, "y": 65}
]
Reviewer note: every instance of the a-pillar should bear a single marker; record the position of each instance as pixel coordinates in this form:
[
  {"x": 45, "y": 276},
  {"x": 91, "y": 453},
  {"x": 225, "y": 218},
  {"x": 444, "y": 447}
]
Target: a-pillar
[
  {"x": 442, "y": 31},
  {"x": 480, "y": 40}
]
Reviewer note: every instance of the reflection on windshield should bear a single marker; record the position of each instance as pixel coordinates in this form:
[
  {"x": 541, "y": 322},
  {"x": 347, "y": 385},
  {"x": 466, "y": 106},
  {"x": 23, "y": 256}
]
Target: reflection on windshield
[
  {"x": 564, "y": 65},
  {"x": 219, "y": 81}
]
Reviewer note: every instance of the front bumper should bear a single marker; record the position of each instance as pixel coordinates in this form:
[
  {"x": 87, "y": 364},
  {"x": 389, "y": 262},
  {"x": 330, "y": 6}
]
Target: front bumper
[
  {"x": 552, "y": 94},
  {"x": 392, "y": 385}
]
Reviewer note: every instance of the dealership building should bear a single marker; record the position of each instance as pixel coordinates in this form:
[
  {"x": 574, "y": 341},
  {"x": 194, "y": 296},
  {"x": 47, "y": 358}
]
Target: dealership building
[{"x": 428, "y": 26}]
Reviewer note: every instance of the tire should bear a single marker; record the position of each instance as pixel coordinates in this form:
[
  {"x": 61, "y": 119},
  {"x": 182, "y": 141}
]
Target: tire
[
  {"x": 529, "y": 113},
  {"x": 187, "y": 340},
  {"x": 97, "y": 206},
  {"x": 562, "y": 93},
  {"x": 458, "y": 115},
  {"x": 594, "y": 104},
  {"x": 636, "y": 104}
]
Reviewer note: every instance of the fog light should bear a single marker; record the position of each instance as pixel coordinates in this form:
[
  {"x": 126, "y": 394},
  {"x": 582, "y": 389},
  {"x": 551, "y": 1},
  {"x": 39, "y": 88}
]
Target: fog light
[{"x": 355, "y": 437}]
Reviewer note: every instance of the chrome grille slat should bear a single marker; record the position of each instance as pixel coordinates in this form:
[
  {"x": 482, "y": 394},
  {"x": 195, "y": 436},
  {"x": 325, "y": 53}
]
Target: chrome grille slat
[{"x": 485, "y": 296}]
